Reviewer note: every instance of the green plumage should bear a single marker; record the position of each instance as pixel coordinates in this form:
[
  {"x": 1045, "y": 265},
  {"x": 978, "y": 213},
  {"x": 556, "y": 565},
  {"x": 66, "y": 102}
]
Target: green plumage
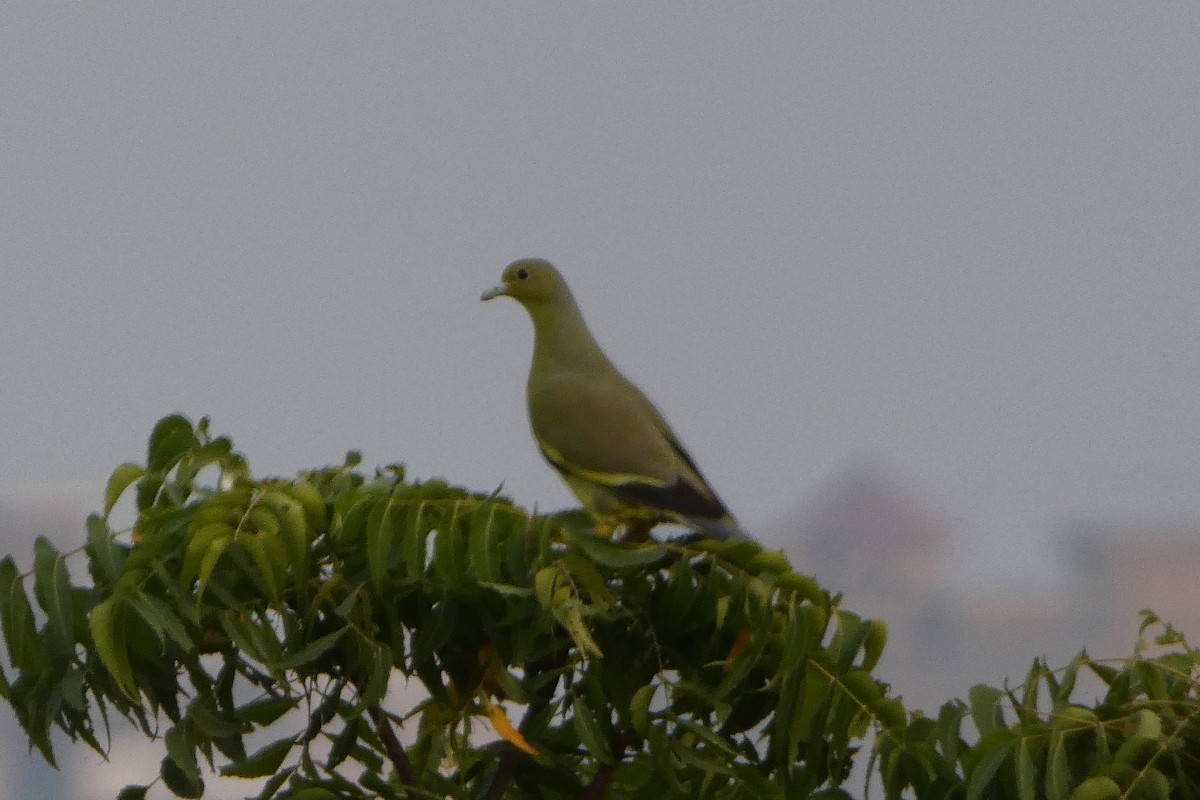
[{"x": 607, "y": 441}]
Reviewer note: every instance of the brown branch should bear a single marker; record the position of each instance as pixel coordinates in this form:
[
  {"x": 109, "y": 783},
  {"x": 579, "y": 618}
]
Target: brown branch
[
  {"x": 512, "y": 756},
  {"x": 505, "y": 768},
  {"x": 507, "y": 765},
  {"x": 395, "y": 750},
  {"x": 599, "y": 785},
  {"x": 603, "y": 777}
]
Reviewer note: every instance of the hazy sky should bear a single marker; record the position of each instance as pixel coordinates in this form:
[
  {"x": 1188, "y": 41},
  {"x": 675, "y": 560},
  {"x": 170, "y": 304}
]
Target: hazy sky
[
  {"x": 955, "y": 241},
  {"x": 958, "y": 242}
]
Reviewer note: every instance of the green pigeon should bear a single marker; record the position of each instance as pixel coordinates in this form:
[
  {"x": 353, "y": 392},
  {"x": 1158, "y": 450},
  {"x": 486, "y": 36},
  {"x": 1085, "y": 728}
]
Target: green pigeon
[{"x": 609, "y": 443}]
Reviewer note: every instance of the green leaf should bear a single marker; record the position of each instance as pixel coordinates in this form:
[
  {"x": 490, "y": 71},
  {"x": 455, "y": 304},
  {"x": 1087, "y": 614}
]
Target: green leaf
[
  {"x": 108, "y": 627},
  {"x": 849, "y": 636},
  {"x": 180, "y": 782},
  {"x": 587, "y": 577},
  {"x": 949, "y": 729},
  {"x": 614, "y": 556},
  {"x": 1074, "y": 718},
  {"x": 312, "y": 651},
  {"x": 1058, "y": 769},
  {"x": 54, "y": 593},
  {"x": 707, "y": 761},
  {"x": 106, "y": 558},
  {"x": 200, "y": 541},
  {"x": 985, "y": 708},
  {"x": 213, "y": 722},
  {"x": 271, "y": 786},
  {"x": 813, "y": 697},
  {"x": 316, "y": 793},
  {"x": 181, "y": 751},
  {"x": 589, "y": 731},
  {"x": 1148, "y": 725},
  {"x": 803, "y": 587},
  {"x": 120, "y": 480},
  {"x": 1104, "y": 672},
  {"x": 416, "y": 531},
  {"x": 718, "y": 743},
  {"x": 1027, "y": 777},
  {"x": 171, "y": 438},
  {"x": 1027, "y": 707},
  {"x": 379, "y": 528},
  {"x": 570, "y": 616},
  {"x": 548, "y": 584},
  {"x": 1142, "y": 744},
  {"x": 266, "y": 711},
  {"x": 1097, "y": 788},
  {"x": 991, "y": 753},
  {"x": 208, "y": 562},
  {"x": 293, "y": 526},
  {"x": 256, "y": 639},
  {"x": 133, "y": 792},
  {"x": 1064, "y": 685},
  {"x": 376, "y": 684},
  {"x": 769, "y": 561},
  {"x": 1150, "y": 675},
  {"x": 161, "y": 619},
  {"x": 639, "y": 709},
  {"x": 806, "y": 628},
  {"x": 873, "y": 643},
  {"x": 316, "y": 514},
  {"x": 791, "y": 720},
  {"x": 26, "y": 651},
  {"x": 486, "y": 543},
  {"x": 450, "y": 549},
  {"x": 681, "y": 601},
  {"x": 508, "y": 590},
  {"x": 1150, "y": 783},
  {"x": 343, "y": 743},
  {"x": 265, "y": 761},
  {"x": 268, "y": 554}
]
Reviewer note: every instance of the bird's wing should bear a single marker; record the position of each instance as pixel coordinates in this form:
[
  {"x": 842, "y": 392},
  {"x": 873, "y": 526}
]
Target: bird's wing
[{"x": 602, "y": 429}]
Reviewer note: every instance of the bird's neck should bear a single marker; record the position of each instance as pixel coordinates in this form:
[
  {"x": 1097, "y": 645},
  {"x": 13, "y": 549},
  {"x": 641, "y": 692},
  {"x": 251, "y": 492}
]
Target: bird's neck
[{"x": 562, "y": 339}]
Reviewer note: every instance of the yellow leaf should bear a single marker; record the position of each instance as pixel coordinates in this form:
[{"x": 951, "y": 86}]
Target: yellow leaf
[
  {"x": 739, "y": 644},
  {"x": 505, "y": 729}
]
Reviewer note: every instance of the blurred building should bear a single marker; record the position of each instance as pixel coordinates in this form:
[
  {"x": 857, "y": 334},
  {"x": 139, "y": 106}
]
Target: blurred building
[
  {"x": 874, "y": 540},
  {"x": 1117, "y": 570}
]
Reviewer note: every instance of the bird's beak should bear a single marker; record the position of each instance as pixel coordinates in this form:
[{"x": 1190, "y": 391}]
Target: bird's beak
[{"x": 495, "y": 291}]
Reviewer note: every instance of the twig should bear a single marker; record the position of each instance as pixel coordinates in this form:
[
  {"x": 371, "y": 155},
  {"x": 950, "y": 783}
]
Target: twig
[
  {"x": 395, "y": 750},
  {"x": 507, "y": 765},
  {"x": 603, "y": 777}
]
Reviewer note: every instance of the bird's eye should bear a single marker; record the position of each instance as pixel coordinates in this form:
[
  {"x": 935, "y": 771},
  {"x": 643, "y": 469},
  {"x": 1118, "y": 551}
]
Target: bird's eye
[{"x": 522, "y": 274}]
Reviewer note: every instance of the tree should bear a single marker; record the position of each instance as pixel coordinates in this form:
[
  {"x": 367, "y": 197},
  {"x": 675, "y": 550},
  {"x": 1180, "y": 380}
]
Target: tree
[{"x": 279, "y": 610}]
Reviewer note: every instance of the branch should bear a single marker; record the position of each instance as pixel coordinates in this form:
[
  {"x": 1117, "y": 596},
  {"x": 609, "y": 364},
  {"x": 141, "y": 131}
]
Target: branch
[
  {"x": 507, "y": 764},
  {"x": 395, "y": 750},
  {"x": 604, "y": 775}
]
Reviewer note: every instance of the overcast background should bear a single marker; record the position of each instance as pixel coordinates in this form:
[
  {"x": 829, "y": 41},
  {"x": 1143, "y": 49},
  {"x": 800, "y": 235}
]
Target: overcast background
[{"x": 957, "y": 243}]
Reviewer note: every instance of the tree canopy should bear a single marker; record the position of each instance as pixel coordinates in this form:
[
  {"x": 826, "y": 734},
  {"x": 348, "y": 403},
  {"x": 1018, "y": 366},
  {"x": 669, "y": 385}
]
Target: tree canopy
[{"x": 266, "y": 628}]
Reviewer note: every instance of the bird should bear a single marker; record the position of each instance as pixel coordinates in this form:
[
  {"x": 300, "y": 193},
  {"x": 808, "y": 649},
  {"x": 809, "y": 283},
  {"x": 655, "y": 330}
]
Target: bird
[{"x": 603, "y": 436}]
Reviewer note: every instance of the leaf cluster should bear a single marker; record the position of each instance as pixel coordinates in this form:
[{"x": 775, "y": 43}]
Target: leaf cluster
[
  {"x": 267, "y": 627},
  {"x": 1046, "y": 740}
]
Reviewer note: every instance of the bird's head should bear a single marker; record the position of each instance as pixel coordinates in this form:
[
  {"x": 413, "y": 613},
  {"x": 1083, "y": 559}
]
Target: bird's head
[{"x": 529, "y": 281}]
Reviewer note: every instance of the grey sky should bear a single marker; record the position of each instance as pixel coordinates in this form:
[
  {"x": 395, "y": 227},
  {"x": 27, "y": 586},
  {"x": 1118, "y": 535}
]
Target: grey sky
[{"x": 959, "y": 242}]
